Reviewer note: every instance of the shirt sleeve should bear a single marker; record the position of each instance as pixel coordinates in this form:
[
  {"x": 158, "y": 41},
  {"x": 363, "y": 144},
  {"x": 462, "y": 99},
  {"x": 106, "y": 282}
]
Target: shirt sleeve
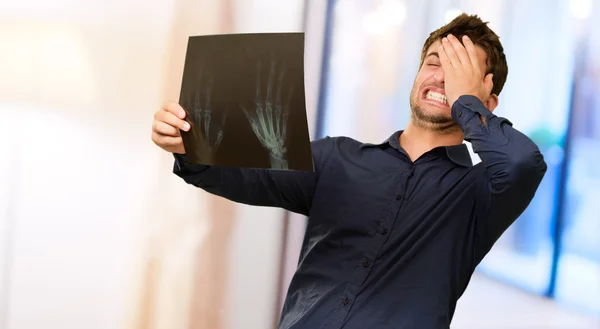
[
  {"x": 287, "y": 189},
  {"x": 513, "y": 168}
]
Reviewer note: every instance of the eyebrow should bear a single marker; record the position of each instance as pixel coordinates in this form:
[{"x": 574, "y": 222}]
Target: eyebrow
[{"x": 433, "y": 53}]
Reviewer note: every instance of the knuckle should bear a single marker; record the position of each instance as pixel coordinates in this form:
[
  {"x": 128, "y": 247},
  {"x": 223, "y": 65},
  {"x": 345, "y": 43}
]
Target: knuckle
[
  {"x": 167, "y": 105},
  {"x": 166, "y": 142},
  {"x": 174, "y": 141},
  {"x": 155, "y": 137},
  {"x": 160, "y": 116},
  {"x": 167, "y": 119},
  {"x": 175, "y": 108},
  {"x": 168, "y": 116},
  {"x": 160, "y": 128}
]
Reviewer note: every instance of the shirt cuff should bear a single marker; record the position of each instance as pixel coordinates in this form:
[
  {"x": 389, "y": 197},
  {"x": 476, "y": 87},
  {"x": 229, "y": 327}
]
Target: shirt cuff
[
  {"x": 182, "y": 166},
  {"x": 467, "y": 107}
]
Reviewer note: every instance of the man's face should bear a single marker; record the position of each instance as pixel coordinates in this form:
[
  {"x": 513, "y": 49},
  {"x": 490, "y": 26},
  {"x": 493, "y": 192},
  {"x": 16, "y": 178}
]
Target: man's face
[{"x": 427, "y": 100}]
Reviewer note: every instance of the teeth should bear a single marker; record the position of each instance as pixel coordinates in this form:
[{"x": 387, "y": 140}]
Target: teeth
[{"x": 436, "y": 96}]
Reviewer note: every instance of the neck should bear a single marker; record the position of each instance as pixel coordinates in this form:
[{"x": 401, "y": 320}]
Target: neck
[{"x": 417, "y": 140}]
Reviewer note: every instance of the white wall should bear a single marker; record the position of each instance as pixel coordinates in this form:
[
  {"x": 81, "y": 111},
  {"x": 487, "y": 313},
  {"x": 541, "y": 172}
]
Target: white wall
[
  {"x": 91, "y": 199},
  {"x": 79, "y": 82},
  {"x": 491, "y": 304}
]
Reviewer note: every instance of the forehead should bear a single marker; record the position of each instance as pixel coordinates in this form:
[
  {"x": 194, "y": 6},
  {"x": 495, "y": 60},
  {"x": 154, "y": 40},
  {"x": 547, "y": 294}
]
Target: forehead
[{"x": 481, "y": 54}]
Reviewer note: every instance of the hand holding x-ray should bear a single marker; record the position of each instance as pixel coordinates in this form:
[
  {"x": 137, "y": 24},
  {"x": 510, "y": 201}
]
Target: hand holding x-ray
[
  {"x": 270, "y": 118},
  {"x": 257, "y": 80}
]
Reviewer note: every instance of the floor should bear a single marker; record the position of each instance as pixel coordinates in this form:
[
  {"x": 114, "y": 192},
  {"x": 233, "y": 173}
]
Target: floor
[{"x": 488, "y": 304}]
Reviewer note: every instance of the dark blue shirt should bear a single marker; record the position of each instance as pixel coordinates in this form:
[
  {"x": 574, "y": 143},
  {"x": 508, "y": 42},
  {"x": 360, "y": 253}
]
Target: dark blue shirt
[{"x": 391, "y": 243}]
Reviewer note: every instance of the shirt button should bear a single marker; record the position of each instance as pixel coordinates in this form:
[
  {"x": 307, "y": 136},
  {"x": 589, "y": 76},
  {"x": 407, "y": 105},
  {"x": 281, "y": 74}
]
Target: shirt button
[
  {"x": 384, "y": 231},
  {"x": 398, "y": 197},
  {"x": 346, "y": 301},
  {"x": 459, "y": 113},
  {"x": 469, "y": 104},
  {"x": 366, "y": 264}
]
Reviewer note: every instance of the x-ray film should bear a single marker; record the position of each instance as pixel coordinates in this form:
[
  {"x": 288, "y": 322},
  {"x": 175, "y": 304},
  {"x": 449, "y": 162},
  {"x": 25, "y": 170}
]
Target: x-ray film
[{"x": 244, "y": 99}]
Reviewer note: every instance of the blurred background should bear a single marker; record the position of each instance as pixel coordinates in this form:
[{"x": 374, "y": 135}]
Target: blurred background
[{"x": 97, "y": 233}]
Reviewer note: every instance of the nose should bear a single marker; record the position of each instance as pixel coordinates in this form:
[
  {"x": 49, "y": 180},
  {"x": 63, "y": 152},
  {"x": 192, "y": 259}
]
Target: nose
[{"x": 439, "y": 76}]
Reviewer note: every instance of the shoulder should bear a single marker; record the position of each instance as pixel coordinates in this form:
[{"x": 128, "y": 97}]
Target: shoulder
[
  {"x": 336, "y": 142},
  {"x": 329, "y": 147}
]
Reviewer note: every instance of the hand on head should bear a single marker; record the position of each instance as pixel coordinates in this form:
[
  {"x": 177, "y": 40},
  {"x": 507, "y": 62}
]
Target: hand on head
[{"x": 463, "y": 71}]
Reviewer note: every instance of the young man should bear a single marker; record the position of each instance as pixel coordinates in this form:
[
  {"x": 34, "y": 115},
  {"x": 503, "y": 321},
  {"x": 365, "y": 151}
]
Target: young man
[{"x": 396, "y": 229}]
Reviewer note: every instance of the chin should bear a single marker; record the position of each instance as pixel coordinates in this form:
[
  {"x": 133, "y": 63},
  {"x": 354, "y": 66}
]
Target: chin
[
  {"x": 438, "y": 110},
  {"x": 431, "y": 116}
]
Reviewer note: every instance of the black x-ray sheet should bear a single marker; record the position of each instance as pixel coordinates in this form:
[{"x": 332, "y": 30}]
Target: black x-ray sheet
[{"x": 244, "y": 99}]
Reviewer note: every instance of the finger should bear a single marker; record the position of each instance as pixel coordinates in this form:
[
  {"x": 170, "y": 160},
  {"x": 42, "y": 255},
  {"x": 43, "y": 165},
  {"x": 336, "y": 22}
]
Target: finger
[
  {"x": 166, "y": 141},
  {"x": 172, "y": 120},
  {"x": 165, "y": 129},
  {"x": 246, "y": 113},
  {"x": 460, "y": 51},
  {"x": 224, "y": 117},
  {"x": 444, "y": 60},
  {"x": 219, "y": 137},
  {"x": 269, "y": 101},
  {"x": 197, "y": 109},
  {"x": 261, "y": 118},
  {"x": 255, "y": 128},
  {"x": 174, "y": 109},
  {"x": 258, "y": 100},
  {"x": 269, "y": 120},
  {"x": 270, "y": 83},
  {"x": 470, "y": 47},
  {"x": 253, "y": 123},
  {"x": 452, "y": 58},
  {"x": 277, "y": 127},
  {"x": 207, "y": 115},
  {"x": 286, "y": 113}
]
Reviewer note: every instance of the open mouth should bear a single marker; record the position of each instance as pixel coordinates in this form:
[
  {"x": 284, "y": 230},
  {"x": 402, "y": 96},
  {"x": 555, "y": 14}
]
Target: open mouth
[{"x": 435, "y": 96}]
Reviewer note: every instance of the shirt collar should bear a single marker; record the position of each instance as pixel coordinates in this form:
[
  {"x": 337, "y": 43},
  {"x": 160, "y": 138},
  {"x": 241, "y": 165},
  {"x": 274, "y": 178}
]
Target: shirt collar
[{"x": 459, "y": 154}]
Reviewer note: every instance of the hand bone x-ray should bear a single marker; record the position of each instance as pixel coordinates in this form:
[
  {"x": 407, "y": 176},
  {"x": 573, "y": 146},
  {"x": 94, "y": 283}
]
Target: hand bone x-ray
[
  {"x": 244, "y": 98},
  {"x": 269, "y": 122},
  {"x": 206, "y": 131}
]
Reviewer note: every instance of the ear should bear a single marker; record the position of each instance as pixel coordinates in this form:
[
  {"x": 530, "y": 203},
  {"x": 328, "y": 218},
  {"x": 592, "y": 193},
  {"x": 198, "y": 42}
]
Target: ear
[{"x": 492, "y": 102}]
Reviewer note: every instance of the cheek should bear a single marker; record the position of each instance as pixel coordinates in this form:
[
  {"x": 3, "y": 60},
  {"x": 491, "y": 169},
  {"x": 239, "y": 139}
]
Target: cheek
[{"x": 424, "y": 75}]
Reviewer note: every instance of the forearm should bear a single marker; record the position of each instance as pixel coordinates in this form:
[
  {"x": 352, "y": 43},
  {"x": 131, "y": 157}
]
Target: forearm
[
  {"x": 510, "y": 157},
  {"x": 257, "y": 187},
  {"x": 513, "y": 169}
]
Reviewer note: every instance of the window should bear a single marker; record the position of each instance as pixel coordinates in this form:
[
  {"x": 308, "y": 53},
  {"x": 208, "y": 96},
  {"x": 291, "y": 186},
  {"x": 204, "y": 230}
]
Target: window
[{"x": 578, "y": 276}]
